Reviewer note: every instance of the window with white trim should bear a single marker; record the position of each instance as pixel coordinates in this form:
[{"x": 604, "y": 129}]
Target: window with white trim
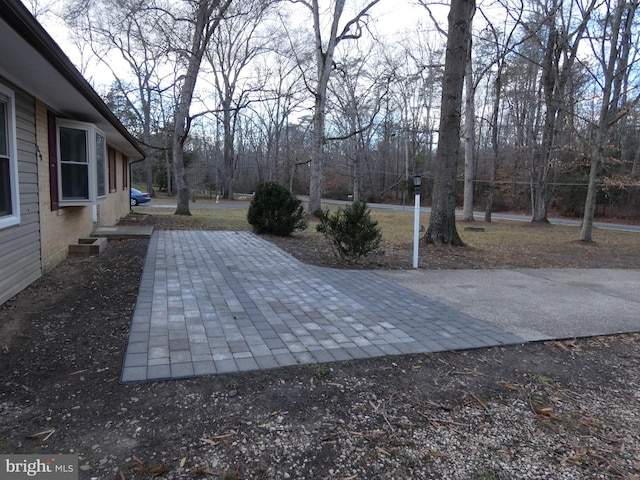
[
  {"x": 82, "y": 163},
  {"x": 9, "y": 206}
]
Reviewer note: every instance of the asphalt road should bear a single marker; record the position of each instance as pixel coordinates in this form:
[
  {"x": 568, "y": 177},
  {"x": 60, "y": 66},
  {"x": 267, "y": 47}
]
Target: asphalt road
[{"x": 406, "y": 208}]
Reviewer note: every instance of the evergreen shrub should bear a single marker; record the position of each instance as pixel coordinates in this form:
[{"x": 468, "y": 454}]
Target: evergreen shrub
[
  {"x": 352, "y": 232},
  {"x": 276, "y": 211}
]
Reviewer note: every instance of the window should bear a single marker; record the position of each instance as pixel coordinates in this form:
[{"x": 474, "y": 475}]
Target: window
[
  {"x": 9, "y": 207},
  {"x": 125, "y": 173},
  {"x": 82, "y": 163},
  {"x": 101, "y": 164},
  {"x": 111, "y": 153}
]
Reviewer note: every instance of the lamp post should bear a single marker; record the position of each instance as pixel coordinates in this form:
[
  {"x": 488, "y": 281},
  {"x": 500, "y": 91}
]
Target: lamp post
[{"x": 417, "y": 180}]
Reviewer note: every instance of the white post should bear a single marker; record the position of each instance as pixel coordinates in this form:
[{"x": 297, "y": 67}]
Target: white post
[{"x": 416, "y": 229}]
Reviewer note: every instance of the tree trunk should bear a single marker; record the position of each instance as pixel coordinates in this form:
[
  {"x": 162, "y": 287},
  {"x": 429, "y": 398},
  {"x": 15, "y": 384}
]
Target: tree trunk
[
  {"x": 180, "y": 175},
  {"x": 357, "y": 172},
  {"x": 324, "y": 61},
  {"x": 592, "y": 194},
  {"x": 442, "y": 224},
  {"x": 228, "y": 150},
  {"x": 316, "y": 175},
  {"x": 615, "y": 68},
  {"x": 470, "y": 144},
  {"x": 552, "y": 88},
  {"x": 540, "y": 196},
  {"x": 324, "y": 65},
  {"x": 493, "y": 172},
  {"x": 208, "y": 15}
]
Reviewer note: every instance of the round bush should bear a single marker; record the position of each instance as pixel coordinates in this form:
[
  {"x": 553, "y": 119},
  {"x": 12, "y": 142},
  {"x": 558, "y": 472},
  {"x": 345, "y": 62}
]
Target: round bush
[{"x": 276, "y": 211}]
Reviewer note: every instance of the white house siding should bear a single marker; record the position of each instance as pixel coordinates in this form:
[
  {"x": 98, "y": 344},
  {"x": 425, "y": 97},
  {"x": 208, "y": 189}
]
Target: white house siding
[{"x": 20, "y": 262}]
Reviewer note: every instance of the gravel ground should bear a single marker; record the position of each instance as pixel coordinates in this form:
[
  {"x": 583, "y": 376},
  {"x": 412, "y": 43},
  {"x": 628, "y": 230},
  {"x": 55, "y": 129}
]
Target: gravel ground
[{"x": 563, "y": 410}]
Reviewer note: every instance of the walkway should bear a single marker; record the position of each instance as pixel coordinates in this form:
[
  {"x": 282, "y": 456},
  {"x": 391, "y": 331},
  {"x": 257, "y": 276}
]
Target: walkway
[{"x": 221, "y": 302}]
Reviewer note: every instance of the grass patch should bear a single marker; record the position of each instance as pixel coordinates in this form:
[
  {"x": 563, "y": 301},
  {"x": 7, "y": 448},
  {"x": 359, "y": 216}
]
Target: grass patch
[
  {"x": 201, "y": 218},
  {"x": 502, "y": 244}
]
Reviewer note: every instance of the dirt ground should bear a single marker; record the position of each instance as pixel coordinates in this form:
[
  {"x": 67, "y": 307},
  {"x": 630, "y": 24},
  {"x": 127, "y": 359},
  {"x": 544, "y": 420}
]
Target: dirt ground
[{"x": 564, "y": 410}]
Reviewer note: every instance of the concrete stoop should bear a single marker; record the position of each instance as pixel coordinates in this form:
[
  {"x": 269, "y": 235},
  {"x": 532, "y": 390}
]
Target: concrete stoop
[{"x": 88, "y": 246}]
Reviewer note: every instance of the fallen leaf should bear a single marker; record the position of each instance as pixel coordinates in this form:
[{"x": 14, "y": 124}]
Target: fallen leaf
[
  {"x": 154, "y": 471},
  {"x": 206, "y": 470},
  {"x": 209, "y": 441},
  {"x": 510, "y": 386},
  {"x": 383, "y": 451},
  {"x": 546, "y": 412},
  {"x": 45, "y": 434},
  {"x": 433, "y": 453},
  {"x": 183, "y": 461},
  {"x": 559, "y": 345},
  {"x": 574, "y": 345}
]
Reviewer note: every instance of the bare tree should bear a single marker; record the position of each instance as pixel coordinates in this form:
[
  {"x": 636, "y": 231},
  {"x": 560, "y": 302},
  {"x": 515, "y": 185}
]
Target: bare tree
[
  {"x": 560, "y": 52},
  {"x": 469, "y": 140},
  {"x": 200, "y": 20},
  {"x": 41, "y": 8},
  {"x": 416, "y": 96},
  {"x": 442, "y": 223},
  {"x": 358, "y": 93},
  {"x": 235, "y": 44},
  {"x": 612, "y": 56},
  {"x": 281, "y": 95},
  {"x": 324, "y": 52},
  {"x": 503, "y": 44}
]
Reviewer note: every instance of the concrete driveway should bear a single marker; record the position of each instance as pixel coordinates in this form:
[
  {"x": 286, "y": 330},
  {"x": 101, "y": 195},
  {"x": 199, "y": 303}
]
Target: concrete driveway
[{"x": 536, "y": 304}]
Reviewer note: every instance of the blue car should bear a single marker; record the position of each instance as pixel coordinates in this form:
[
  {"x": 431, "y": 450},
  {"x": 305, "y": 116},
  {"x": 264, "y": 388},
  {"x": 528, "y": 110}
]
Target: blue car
[{"x": 137, "y": 197}]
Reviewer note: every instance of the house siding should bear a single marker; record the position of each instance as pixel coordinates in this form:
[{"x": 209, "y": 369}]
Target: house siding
[
  {"x": 117, "y": 203},
  {"x": 62, "y": 227},
  {"x": 20, "y": 260},
  {"x": 46, "y": 86}
]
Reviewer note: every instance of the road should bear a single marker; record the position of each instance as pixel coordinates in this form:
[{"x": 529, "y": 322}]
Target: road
[{"x": 406, "y": 208}]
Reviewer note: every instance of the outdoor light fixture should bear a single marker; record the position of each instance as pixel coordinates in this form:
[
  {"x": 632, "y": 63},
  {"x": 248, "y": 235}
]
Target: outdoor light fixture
[{"x": 417, "y": 181}]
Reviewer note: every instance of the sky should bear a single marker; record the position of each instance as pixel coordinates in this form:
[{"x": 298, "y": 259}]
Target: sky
[{"x": 392, "y": 20}]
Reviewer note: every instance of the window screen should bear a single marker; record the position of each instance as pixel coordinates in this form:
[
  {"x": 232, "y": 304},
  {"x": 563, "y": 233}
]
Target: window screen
[
  {"x": 5, "y": 170},
  {"x": 74, "y": 164}
]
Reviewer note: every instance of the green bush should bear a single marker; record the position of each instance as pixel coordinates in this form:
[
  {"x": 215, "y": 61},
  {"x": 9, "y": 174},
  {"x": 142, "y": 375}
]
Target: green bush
[
  {"x": 275, "y": 210},
  {"x": 352, "y": 232}
]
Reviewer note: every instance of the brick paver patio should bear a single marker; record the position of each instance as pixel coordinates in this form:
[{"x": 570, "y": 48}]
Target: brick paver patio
[{"x": 219, "y": 302}]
